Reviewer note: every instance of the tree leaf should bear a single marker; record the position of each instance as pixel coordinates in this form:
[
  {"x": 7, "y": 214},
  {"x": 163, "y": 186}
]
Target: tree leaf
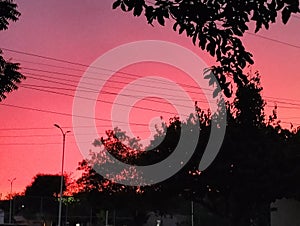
[
  {"x": 227, "y": 92},
  {"x": 286, "y": 13},
  {"x": 280, "y": 4},
  {"x": 160, "y": 19},
  {"x": 216, "y": 92},
  {"x": 211, "y": 48},
  {"x": 247, "y": 57},
  {"x": 138, "y": 10},
  {"x": 208, "y": 75},
  {"x": 123, "y": 7},
  {"x": 165, "y": 13},
  {"x": 258, "y": 26},
  {"x": 181, "y": 29},
  {"x": 194, "y": 39},
  {"x": 175, "y": 26},
  {"x": 149, "y": 13},
  {"x": 202, "y": 42},
  {"x": 116, "y": 4}
]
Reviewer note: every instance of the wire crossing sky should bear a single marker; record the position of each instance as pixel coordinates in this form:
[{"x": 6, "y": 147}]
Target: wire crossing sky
[{"x": 56, "y": 42}]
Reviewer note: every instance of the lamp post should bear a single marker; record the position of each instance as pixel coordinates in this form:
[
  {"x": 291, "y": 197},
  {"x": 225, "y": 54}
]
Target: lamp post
[
  {"x": 62, "y": 173},
  {"x": 10, "y": 200}
]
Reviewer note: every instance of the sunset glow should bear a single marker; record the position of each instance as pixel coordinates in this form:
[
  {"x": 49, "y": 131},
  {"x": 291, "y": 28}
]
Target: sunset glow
[{"x": 50, "y": 33}]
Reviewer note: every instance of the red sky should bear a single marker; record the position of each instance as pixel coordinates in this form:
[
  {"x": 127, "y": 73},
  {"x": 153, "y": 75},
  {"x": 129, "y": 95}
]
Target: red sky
[{"x": 81, "y": 32}]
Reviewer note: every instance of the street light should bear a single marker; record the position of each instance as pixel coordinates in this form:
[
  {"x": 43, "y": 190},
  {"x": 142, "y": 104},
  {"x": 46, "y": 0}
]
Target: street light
[
  {"x": 62, "y": 172},
  {"x": 10, "y": 200}
]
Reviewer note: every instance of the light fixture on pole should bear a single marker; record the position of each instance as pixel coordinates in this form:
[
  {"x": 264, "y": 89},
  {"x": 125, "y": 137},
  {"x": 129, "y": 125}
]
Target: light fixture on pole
[
  {"x": 62, "y": 173},
  {"x": 10, "y": 199}
]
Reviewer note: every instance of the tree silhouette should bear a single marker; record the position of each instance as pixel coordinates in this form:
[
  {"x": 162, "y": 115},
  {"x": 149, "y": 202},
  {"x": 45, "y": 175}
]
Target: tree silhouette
[
  {"x": 241, "y": 182},
  {"x": 257, "y": 163},
  {"x": 8, "y": 12},
  {"x": 215, "y": 26},
  {"x": 40, "y": 199},
  {"x": 253, "y": 168},
  {"x": 9, "y": 72},
  {"x": 45, "y": 185}
]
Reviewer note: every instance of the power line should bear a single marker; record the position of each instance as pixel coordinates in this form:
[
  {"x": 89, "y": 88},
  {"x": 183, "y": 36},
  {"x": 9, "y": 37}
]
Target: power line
[
  {"x": 51, "y": 128},
  {"x": 268, "y": 98},
  {"x": 292, "y": 117},
  {"x": 203, "y": 100},
  {"x": 102, "y": 68},
  {"x": 151, "y": 80},
  {"x": 273, "y": 40},
  {"x": 118, "y": 82},
  {"x": 286, "y": 107},
  {"x": 47, "y": 88},
  {"x": 50, "y": 58},
  {"x": 58, "y": 81},
  {"x": 66, "y": 114},
  {"x": 72, "y": 115},
  {"x": 134, "y": 96},
  {"x": 115, "y": 103},
  {"x": 43, "y": 128},
  {"x": 284, "y": 122},
  {"x": 145, "y": 108},
  {"x": 284, "y": 102},
  {"x": 79, "y": 64},
  {"x": 89, "y": 66},
  {"x": 38, "y": 128},
  {"x": 57, "y": 135},
  {"x": 109, "y": 102},
  {"x": 280, "y": 98},
  {"x": 34, "y": 143},
  {"x": 87, "y": 89}
]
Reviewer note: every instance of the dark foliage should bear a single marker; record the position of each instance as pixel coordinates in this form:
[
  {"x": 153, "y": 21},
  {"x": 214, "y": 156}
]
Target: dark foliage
[
  {"x": 257, "y": 164},
  {"x": 8, "y": 12},
  {"x": 216, "y": 26},
  {"x": 45, "y": 185},
  {"x": 10, "y": 76}
]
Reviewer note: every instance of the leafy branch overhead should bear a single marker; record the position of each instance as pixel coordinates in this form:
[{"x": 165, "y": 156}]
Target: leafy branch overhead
[
  {"x": 8, "y": 11},
  {"x": 9, "y": 77},
  {"x": 216, "y": 26},
  {"x": 9, "y": 72}
]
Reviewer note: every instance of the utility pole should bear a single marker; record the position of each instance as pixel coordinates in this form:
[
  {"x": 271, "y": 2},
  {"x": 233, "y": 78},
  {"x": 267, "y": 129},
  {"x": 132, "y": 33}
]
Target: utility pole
[
  {"x": 192, "y": 207},
  {"x": 10, "y": 199},
  {"x": 62, "y": 172}
]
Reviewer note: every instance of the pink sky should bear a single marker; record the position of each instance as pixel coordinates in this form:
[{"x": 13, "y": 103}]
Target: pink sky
[{"x": 81, "y": 32}]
